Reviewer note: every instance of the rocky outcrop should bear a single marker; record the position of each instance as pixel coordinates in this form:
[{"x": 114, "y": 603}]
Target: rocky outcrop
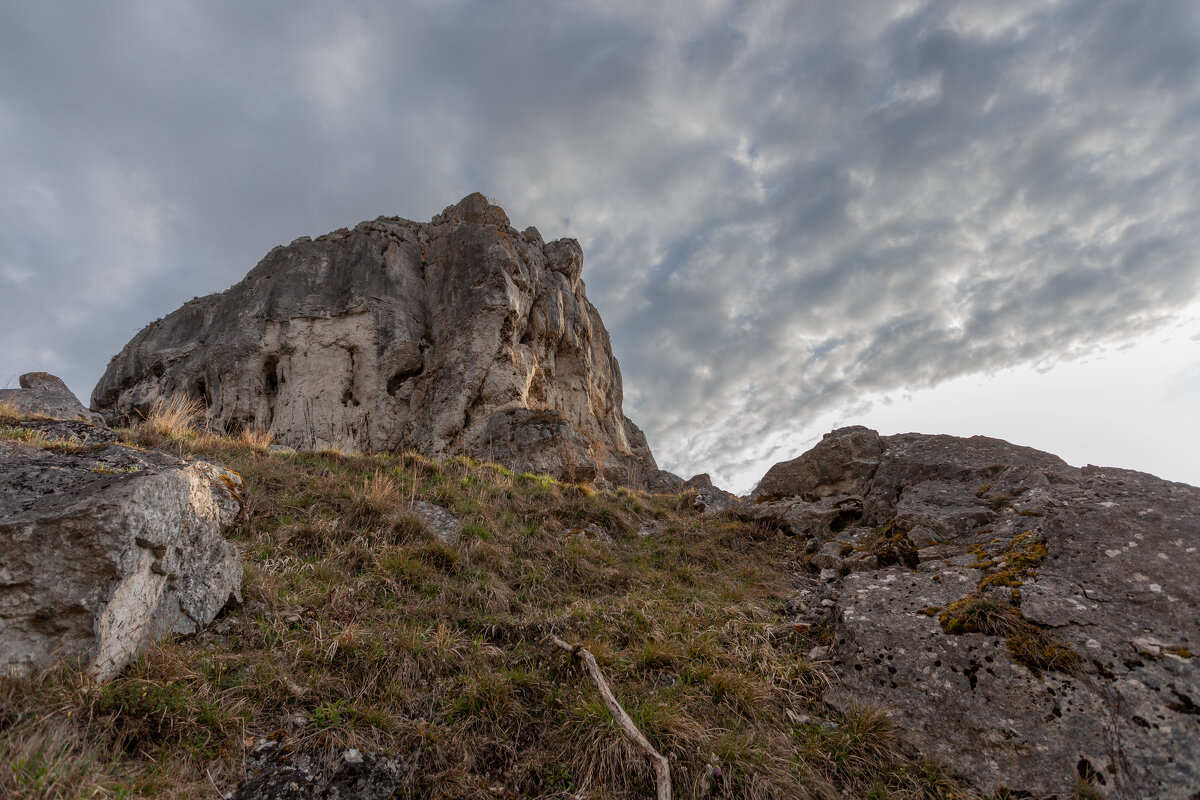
[
  {"x": 43, "y": 394},
  {"x": 105, "y": 548},
  {"x": 838, "y": 465},
  {"x": 1029, "y": 624},
  {"x": 709, "y": 499},
  {"x": 461, "y": 335}
]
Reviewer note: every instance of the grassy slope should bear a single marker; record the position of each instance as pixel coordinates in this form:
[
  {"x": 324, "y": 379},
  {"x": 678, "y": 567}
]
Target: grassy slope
[{"x": 360, "y": 629}]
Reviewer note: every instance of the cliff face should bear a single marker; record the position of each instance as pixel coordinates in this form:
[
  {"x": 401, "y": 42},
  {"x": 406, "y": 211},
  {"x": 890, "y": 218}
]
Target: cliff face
[
  {"x": 1028, "y": 623},
  {"x": 461, "y": 335}
]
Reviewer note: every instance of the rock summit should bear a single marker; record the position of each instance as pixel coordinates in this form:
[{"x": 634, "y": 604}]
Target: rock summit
[{"x": 457, "y": 336}]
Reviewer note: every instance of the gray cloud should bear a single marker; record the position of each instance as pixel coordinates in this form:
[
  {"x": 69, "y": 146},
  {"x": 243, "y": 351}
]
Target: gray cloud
[{"x": 784, "y": 207}]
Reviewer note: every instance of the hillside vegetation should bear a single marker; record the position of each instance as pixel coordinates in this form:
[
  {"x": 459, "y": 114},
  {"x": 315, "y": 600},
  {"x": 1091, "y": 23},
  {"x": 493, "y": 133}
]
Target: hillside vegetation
[{"x": 361, "y": 629}]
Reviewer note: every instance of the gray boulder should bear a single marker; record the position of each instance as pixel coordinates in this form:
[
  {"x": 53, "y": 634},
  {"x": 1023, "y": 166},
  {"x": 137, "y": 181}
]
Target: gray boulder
[
  {"x": 444, "y": 526},
  {"x": 709, "y": 498},
  {"x": 842, "y": 463},
  {"x": 991, "y": 594},
  {"x": 457, "y": 336},
  {"x": 43, "y": 394},
  {"x": 106, "y": 548}
]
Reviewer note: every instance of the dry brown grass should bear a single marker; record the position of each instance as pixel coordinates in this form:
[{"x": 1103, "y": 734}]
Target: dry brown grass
[
  {"x": 174, "y": 417},
  {"x": 256, "y": 439},
  {"x": 31, "y": 436},
  {"x": 9, "y": 410},
  {"x": 373, "y": 635}
]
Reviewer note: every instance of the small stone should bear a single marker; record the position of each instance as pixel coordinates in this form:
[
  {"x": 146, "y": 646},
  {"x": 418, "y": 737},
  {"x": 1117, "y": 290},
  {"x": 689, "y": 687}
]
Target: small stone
[
  {"x": 441, "y": 523},
  {"x": 818, "y": 654},
  {"x": 863, "y": 562}
]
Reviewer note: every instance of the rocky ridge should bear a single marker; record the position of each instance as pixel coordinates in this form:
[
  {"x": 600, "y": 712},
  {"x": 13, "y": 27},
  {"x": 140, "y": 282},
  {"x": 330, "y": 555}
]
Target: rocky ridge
[
  {"x": 1029, "y": 624},
  {"x": 456, "y": 336}
]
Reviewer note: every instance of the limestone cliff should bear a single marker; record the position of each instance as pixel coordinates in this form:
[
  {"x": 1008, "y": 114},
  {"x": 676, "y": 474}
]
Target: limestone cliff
[{"x": 461, "y": 335}]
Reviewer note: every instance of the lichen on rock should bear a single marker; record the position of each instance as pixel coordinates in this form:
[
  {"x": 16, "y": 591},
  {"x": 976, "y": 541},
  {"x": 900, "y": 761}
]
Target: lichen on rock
[{"x": 992, "y": 594}]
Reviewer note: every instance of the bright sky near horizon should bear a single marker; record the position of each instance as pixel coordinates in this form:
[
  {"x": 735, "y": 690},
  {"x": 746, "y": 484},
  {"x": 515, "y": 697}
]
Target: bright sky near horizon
[{"x": 966, "y": 218}]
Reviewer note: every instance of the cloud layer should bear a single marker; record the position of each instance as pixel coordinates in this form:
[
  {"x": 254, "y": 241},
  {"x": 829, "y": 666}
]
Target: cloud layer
[{"x": 785, "y": 208}]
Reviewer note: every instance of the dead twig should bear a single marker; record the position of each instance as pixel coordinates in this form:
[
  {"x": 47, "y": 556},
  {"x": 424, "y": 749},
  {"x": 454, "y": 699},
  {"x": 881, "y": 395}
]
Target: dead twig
[{"x": 662, "y": 769}]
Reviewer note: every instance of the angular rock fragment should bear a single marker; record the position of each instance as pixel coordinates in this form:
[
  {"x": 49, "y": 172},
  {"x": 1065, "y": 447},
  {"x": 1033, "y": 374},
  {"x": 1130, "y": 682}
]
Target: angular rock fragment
[
  {"x": 444, "y": 526},
  {"x": 106, "y": 548}
]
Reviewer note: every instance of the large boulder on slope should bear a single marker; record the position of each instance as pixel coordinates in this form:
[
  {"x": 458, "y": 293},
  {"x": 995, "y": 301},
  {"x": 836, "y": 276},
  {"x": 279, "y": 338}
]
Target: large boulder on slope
[
  {"x": 457, "y": 336},
  {"x": 1099, "y": 563},
  {"x": 841, "y": 463},
  {"x": 106, "y": 548},
  {"x": 43, "y": 394}
]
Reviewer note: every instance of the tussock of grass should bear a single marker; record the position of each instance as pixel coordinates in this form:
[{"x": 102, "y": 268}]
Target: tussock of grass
[
  {"x": 255, "y": 439},
  {"x": 1027, "y": 643},
  {"x": 362, "y": 630},
  {"x": 32, "y": 436},
  {"x": 174, "y": 417},
  {"x": 9, "y": 410}
]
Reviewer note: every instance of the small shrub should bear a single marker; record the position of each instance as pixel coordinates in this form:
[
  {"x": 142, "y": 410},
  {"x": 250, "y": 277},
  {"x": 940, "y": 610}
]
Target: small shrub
[{"x": 976, "y": 614}]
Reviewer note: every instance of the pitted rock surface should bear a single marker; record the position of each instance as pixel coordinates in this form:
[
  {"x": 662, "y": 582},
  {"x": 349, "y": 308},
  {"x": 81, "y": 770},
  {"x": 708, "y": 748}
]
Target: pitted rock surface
[
  {"x": 106, "y": 548},
  {"x": 457, "y": 336},
  {"x": 280, "y": 772},
  {"x": 937, "y": 519}
]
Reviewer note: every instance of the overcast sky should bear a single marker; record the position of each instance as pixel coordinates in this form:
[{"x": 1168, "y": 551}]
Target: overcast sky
[{"x": 950, "y": 217}]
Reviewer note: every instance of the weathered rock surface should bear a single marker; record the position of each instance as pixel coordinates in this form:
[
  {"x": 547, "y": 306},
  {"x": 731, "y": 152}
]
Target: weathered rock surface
[
  {"x": 1093, "y": 569},
  {"x": 838, "y": 465},
  {"x": 461, "y": 335},
  {"x": 46, "y": 395},
  {"x": 444, "y": 526},
  {"x": 279, "y": 772},
  {"x": 105, "y": 548}
]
